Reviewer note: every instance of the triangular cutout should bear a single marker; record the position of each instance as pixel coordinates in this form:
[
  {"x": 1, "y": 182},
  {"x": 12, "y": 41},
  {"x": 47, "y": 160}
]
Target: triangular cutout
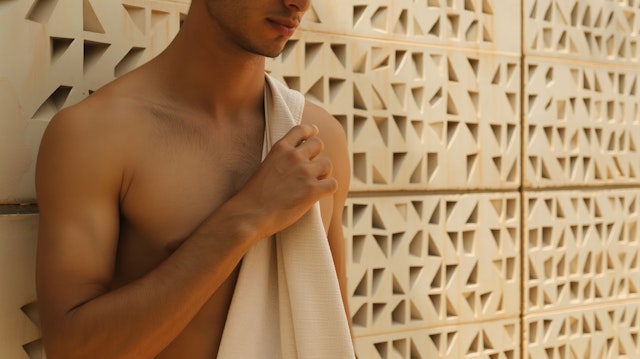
[
  {"x": 53, "y": 103},
  {"x": 138, "y": 17},
  {"x": 312, "y": 16},
  {"x": 93, "y": 51},
  {"x": 129, "y": 62},
  {"x": 288, "y": 49},
  {"x": 90, "y": 20},
  {"x": 379, "y": 19},
  {"x": 362, "y": 287},
  {"x": 340, "y": 52},
  {"x": 31, "y": 311},
  {"x": 435, "y": 29},
  {"x": 41, "y": 10},
  {"x": 376, "y": 219},
  {"x": 311, "y": 51},
  {"x": 34, "y": 349},
  {"x": 59, "y": 46},
  {"x": 452, "y": 73},
  {"x": 358, "y": 11},
  {"x": 451, "y": 106},
  {"x": 358, "y": 101},
  {"x": 360, "y": 66},
  {"x": 316, "y": 91},
  {"x": 335, "y": 87}
]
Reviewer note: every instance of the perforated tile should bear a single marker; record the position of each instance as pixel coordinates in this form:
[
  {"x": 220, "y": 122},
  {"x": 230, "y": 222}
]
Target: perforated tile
[
  {"x": 607, "y": 331},
  {"x": 483, "y": 24},
  {"x": 55, "y": 53},
  {"x": 581, "y": 248},
  {"x": 591, "y": 30},
  {"x": 491, "y": 340},
  {"x": 415, "y": 117},
  {"x": 425, "y": 261},
  {"x": 19, "y": 327},
  {"x": 581, "y": 125}
]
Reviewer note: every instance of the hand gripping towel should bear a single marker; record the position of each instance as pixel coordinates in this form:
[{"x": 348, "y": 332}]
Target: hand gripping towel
[{"x": 287, "y": 302}]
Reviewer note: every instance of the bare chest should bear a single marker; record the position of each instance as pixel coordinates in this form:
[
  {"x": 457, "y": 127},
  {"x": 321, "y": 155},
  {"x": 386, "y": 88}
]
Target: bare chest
[{"x": 176, "y": 183}]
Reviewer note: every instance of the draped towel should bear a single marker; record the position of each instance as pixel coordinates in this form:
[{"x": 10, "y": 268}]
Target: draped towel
[{"x": 287, "y": 302}]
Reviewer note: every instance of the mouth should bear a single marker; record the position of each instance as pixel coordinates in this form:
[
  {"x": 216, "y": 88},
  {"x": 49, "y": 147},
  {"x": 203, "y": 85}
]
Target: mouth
[{"x": 285, "y": 27}]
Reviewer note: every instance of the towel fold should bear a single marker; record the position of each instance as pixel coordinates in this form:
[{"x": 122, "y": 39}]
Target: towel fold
[{"x": 287, "y": 302}]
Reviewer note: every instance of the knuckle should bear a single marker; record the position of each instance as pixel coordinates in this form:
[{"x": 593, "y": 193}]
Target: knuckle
[
  {"x": 279, "y": 146},
  {"x": 317, "y": 142},
  {"x": 292, "y": 157},
  {"x": 304, "y": 129},
  {"x": 333, "y": 184},
  {"x": 308, "y": 188},
  {"x": 308, "y": 130},
  {"x": 326, "y": 164}
]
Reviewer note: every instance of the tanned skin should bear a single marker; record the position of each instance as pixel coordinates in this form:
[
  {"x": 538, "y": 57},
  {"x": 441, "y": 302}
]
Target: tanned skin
[{"x": 152, "y": 190}]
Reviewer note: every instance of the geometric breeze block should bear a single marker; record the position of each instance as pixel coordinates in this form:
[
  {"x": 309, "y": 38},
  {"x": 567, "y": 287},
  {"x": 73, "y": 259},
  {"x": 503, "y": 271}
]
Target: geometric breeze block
[
  {"x": 427, "y": 262},
  {"x": 491, "y": 339},
  {"x": 581, "y": 249},
  {"x": 55, "y": 53},
  {"x": 604, "y": 331},
  {"x": 592, "y": 30},
  {"x": 581, "y": 125},
  {"x": 416, "y": 117},
  {"x": 479, "y": 24},
  {"x": 19, "y": 319}
]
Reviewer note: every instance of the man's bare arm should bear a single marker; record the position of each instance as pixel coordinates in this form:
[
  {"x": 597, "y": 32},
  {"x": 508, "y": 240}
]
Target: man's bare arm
[
  {"x": 79, "y": 177},
  {"x": 334, "y": 139}
]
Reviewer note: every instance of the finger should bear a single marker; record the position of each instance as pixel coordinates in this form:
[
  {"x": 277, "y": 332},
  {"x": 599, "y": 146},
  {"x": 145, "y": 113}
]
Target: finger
[
  {"x": 327, "y": 186},
  {"x": 311, "y": 148},
  {"x": 321, "y": 168},
  {"x": 299, "y": 134}
]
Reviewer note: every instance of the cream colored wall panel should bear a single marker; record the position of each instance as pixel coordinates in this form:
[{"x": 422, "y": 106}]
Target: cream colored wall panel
[
  {"x": 54, "y": 54},
  {"x": 483, "y": 24},
  {"x": 581, "y": 124},
  {"x": 420, "y": 262},
  {"x": 607, "y": 331},
  {"x": 416, "y": 117},
  {"x": 19, "y": 331},
  {"x": 591, "y": 30},
  {"x": 581, "y": 249},
  {"x": 496, "y": 339}
]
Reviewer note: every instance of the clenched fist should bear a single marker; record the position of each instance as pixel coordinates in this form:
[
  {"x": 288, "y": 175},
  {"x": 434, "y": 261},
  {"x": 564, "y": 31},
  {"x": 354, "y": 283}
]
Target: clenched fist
[{"x": 293, "y": 176}]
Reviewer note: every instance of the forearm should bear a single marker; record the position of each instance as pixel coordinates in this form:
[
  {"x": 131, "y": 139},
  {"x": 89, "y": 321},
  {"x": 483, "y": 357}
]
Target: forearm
[{"x": 140, "y": 319}]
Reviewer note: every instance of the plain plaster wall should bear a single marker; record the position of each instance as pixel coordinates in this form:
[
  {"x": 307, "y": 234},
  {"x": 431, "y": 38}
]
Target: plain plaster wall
[{"x": 494, "y": 146}]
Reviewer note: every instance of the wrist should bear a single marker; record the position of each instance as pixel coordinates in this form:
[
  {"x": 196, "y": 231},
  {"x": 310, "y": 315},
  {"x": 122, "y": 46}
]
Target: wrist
[{"x": 234, "y": 223}]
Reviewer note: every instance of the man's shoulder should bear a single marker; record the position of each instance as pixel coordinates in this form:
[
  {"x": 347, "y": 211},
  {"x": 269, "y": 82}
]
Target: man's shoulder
[
  {"x": 101, "y": 127},
  {"x": 104, "y": 112},
  {"x": 328, "y": 125}
]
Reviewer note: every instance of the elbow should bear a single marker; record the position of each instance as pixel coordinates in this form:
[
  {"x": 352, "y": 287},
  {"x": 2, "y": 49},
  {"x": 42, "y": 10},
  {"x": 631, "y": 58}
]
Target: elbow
[{"x": 59, "y": 343}]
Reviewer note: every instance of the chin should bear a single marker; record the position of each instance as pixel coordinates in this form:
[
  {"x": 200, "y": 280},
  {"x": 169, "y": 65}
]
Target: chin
[{"x": 272, "y": 53}]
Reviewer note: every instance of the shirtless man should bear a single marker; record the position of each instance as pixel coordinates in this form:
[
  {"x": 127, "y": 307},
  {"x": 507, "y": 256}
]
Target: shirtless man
[{"x": 152, "y": 190}]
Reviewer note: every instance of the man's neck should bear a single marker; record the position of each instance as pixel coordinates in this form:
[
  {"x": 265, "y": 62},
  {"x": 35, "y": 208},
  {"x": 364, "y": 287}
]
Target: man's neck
[{"x": 222, "y": 81}]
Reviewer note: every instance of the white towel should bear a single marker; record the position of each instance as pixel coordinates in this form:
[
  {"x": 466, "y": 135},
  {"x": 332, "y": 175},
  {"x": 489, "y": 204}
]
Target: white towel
[{"x": 287, "y": 302}]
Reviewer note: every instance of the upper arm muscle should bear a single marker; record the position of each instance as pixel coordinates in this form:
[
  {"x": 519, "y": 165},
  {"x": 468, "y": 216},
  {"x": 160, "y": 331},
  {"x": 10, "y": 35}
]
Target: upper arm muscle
[
  {"x": 77, "y": 186},
  {"x": 332, "y": 135}
]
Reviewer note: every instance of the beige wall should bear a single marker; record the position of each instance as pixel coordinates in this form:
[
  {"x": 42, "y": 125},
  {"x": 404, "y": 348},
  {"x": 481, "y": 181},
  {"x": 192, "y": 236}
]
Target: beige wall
[{"x": 494, "y": 144}]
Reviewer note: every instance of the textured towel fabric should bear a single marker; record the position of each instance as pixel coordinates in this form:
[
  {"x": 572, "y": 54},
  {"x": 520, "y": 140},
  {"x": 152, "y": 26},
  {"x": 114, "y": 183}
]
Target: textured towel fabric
[{"x": 287, "y": 302}]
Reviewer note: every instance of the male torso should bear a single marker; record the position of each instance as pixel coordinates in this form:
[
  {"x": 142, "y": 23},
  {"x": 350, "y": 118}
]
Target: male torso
[
  {"x": 181, "y": 167},
  {"x": 152, "y": 190}
]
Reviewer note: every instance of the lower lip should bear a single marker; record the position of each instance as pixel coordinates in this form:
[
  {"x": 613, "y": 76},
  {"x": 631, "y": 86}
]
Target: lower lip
[{"x": 283, "y": 30}]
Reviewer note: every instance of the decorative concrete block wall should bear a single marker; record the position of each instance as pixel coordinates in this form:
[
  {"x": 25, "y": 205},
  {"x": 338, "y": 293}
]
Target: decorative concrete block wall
[
  {"x": 494, "y": 204},
  {"x": 54, "y": 53},
  {"x": 581, "y": 123}
]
